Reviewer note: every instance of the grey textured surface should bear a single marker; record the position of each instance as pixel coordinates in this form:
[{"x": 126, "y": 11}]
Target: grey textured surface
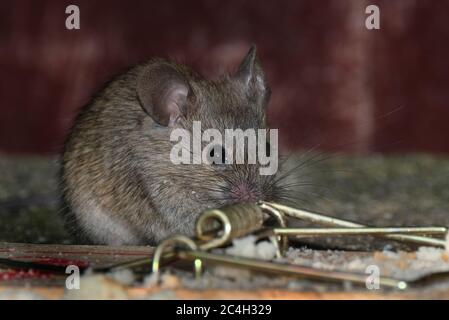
[
  {"x": 29, "y": 201},
  {"x": 376, "y": 190}
]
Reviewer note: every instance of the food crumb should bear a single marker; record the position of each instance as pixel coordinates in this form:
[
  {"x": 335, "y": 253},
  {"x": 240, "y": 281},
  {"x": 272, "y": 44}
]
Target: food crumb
[{"x": 249, "y": 247}]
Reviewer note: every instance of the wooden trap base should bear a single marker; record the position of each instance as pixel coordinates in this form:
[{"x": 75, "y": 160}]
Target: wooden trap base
[{"x": 48, "y": 285}]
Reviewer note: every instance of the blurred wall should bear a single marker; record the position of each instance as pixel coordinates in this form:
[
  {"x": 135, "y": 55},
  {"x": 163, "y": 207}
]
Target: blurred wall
[{"x": 336, "y": 86}]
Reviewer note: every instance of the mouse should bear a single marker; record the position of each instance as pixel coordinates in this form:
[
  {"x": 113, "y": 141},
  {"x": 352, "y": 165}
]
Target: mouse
[{"x": 118, "y": 184}]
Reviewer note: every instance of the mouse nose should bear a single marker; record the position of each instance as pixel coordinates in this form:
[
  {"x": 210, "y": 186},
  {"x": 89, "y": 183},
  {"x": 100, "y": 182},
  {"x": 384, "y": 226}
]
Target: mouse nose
[{"x": 244, "y": 193}]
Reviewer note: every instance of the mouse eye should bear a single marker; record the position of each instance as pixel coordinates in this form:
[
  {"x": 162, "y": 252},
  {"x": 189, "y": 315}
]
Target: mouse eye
[{"x": 217, "y": 155}]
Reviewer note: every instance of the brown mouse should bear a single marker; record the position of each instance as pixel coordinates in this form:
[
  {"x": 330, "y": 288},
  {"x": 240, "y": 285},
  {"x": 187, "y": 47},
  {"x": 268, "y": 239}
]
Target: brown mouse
[{"x": 119, "y": 185}]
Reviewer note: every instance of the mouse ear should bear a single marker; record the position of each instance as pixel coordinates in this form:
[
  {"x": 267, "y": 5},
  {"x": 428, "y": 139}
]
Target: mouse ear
[
  {"x": 163, "y": 92},
  {"x": 250, "y": 73}
]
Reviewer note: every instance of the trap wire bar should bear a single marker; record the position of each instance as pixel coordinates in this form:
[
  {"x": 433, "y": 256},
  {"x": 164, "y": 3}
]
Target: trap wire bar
[
  {"x": 326, "y": 220},
  {"x": 217, "y": 228}
]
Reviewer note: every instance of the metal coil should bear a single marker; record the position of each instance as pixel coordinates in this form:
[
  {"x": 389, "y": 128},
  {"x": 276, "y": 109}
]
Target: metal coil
[{"x": 219, "y": 226}]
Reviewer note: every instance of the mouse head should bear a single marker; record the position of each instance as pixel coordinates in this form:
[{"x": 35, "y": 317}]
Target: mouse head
[{"x": 176, "y": 97}]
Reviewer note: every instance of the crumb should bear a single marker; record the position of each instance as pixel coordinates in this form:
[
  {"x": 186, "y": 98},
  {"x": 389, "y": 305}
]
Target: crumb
[
  {"x": 249, "y": 247},
  {"x": 124, "y": 276},
  {"x": 98, "y": 287},
  {"x": 167, "y": 281},
  {"x": 379, "y": 256},
  {"x": 429, "y": 254},
  {"x": 445, "y": 257}
]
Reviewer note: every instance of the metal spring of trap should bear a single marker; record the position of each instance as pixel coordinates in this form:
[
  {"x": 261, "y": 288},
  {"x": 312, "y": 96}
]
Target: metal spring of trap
[{"x": 218, "y": 227}]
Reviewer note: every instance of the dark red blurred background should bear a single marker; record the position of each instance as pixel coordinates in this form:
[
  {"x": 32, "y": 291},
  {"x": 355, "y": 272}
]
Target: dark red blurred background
[{"x": 336, "y": 85}]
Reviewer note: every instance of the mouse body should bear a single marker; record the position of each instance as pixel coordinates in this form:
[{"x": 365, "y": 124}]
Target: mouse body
[{"x": 118, "y": 183}]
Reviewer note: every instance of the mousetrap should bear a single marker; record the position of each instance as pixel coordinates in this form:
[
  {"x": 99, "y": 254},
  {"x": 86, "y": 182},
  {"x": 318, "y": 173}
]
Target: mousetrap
[
  {"x": 219, "y": 227},
  {"x": 219, "y": 235}
]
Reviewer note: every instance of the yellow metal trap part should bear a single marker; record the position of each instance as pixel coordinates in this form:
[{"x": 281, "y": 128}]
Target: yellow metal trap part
[{"x": 218, "y": 227}]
